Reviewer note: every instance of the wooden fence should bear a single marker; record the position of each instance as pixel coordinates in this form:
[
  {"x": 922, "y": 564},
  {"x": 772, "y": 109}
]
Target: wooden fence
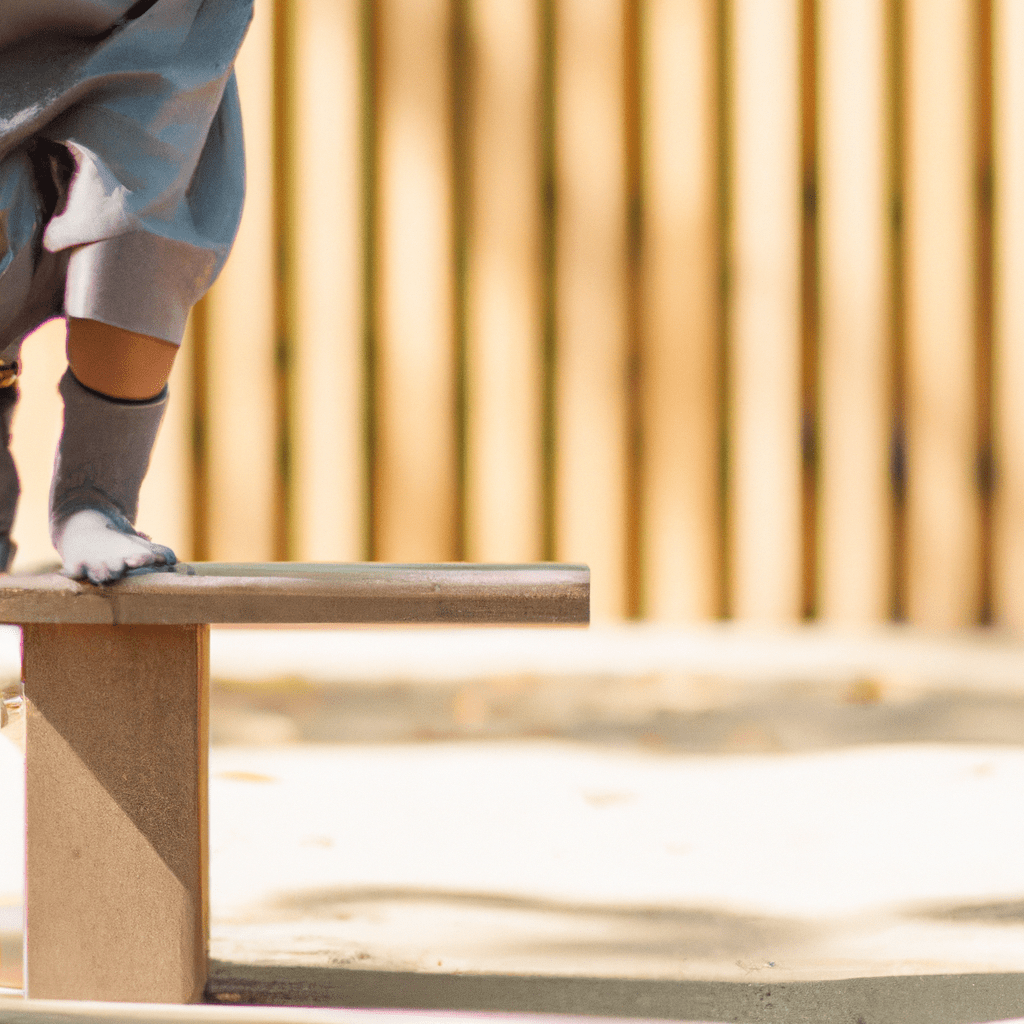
[{"x": 725, "y": 299}]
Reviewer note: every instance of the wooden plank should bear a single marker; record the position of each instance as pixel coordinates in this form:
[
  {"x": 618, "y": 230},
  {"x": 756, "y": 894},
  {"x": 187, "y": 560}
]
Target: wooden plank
[
  {"x": 504, "y": 467},
  {"x": 855, "y": 552},
  {"x": 328, "y": 452},
  {"x": 591, "y": 372},
  {"x": 681, "y": 523},
  {"x": 240, "y": 434},
  {"x": 943, "y": 509},
  {"x": 288, "y": 592},
  {"x": 764, "y": 491},
  {"x": 1008, "y": 378},
  {"x": 415, "y": 499},
  {"x": 116, "y": 747},
  {"x": 37, "y": 424}
]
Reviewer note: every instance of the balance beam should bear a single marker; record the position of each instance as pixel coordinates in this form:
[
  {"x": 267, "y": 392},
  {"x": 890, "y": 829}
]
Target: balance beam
[{"x": 117, "y": 704}]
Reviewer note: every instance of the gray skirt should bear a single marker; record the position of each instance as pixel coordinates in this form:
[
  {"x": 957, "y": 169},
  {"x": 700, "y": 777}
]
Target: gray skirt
[{"x": 122, "y": 167}]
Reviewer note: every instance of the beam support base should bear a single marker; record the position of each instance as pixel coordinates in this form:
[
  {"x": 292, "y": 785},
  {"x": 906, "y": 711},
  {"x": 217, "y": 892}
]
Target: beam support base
[{"x": 116, "y": 752}]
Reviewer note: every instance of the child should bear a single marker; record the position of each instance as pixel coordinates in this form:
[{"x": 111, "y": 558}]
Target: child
[{"x": 121, "y": 186}]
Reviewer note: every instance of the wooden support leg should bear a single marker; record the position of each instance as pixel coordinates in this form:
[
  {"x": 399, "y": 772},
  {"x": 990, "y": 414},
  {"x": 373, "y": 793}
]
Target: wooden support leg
[{"x": 116, "y": 750}]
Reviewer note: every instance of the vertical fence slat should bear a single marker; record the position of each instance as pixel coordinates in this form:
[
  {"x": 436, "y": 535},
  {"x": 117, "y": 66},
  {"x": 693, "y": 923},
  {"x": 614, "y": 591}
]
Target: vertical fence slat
[
  {"x": 681, "y": 507},
  {"x": 983, "y": 171},
  {"x": 855, "y": 575},
  {"x": 1008, "y": 560},
  {"x": 240, "y": 436},
  {"x": 504, "y": 322},
  {"x": 415, "y": 499},
  {"x": 942, "y": 558},
  {"x": 590, "y": 389},
  {"x": 765, "y": 508},
  {"x": 36, "y": 429},
  {"x": 328, "y": 457},
  {"x": 809, "y": 312},
  {"x": 165, "y": 502}
]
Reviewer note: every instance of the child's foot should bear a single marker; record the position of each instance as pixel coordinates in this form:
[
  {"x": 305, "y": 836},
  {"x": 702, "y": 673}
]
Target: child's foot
[
  {"x": 94, "y": 546},
  {"x": 101, "y": 459}
]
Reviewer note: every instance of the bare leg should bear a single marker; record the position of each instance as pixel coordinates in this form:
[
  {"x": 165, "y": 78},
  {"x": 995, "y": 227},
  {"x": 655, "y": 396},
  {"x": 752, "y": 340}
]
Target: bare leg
[
  {"x": 114, "y": 396},
  {"x": 118, "y": 363}
]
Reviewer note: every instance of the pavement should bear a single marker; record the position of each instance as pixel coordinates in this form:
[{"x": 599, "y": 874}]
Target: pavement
[{"x": 714, "y": 824}]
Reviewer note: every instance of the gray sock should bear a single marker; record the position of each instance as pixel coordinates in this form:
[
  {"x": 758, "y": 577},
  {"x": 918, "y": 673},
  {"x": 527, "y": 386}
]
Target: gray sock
[
  {"x": 10, "y": 486},
  {"x": 101, "y": 461}
]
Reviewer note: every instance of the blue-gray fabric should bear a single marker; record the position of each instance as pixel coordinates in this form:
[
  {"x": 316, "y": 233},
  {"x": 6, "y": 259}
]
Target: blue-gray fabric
[{"x": 143, "y": 98}]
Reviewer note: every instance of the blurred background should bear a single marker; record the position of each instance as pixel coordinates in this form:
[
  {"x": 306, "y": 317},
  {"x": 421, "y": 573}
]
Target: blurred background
[
  {"x": 722, "y": 297},
  {"x": 725, "y": 299}
]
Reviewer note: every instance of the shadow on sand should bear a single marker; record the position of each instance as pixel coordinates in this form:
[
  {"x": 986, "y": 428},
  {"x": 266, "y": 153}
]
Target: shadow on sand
[{"x": 932, "y": 999}]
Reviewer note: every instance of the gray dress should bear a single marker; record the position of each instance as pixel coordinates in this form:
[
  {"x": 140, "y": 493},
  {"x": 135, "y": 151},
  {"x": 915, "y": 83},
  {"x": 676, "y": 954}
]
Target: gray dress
[{"x": 121, "y": 160}]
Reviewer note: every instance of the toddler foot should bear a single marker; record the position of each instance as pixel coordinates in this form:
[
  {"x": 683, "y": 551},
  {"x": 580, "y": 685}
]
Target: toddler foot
[
  {"x": 101, "y": 459},
  {"x": 94, "y": 546}
]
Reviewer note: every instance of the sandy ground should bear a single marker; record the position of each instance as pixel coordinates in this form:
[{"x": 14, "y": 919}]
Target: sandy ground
[
  {"x": 636, "y": 825},
  {"x": 542, "y": 857}
]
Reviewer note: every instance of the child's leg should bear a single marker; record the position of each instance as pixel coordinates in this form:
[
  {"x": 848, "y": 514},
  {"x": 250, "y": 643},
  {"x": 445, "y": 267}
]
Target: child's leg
[
  {"x": 114, "y": 397},
  {"x": 126, "y": 200},
  {"x": 118, "y": 363}
]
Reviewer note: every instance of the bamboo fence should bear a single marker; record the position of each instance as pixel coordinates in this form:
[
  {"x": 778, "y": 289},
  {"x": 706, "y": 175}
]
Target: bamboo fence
[{"x": 725, "y": 299}]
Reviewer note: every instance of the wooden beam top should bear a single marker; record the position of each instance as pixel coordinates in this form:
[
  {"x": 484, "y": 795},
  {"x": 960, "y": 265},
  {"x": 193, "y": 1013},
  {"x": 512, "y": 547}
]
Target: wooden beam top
[{"x": 287, "y": 592}]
